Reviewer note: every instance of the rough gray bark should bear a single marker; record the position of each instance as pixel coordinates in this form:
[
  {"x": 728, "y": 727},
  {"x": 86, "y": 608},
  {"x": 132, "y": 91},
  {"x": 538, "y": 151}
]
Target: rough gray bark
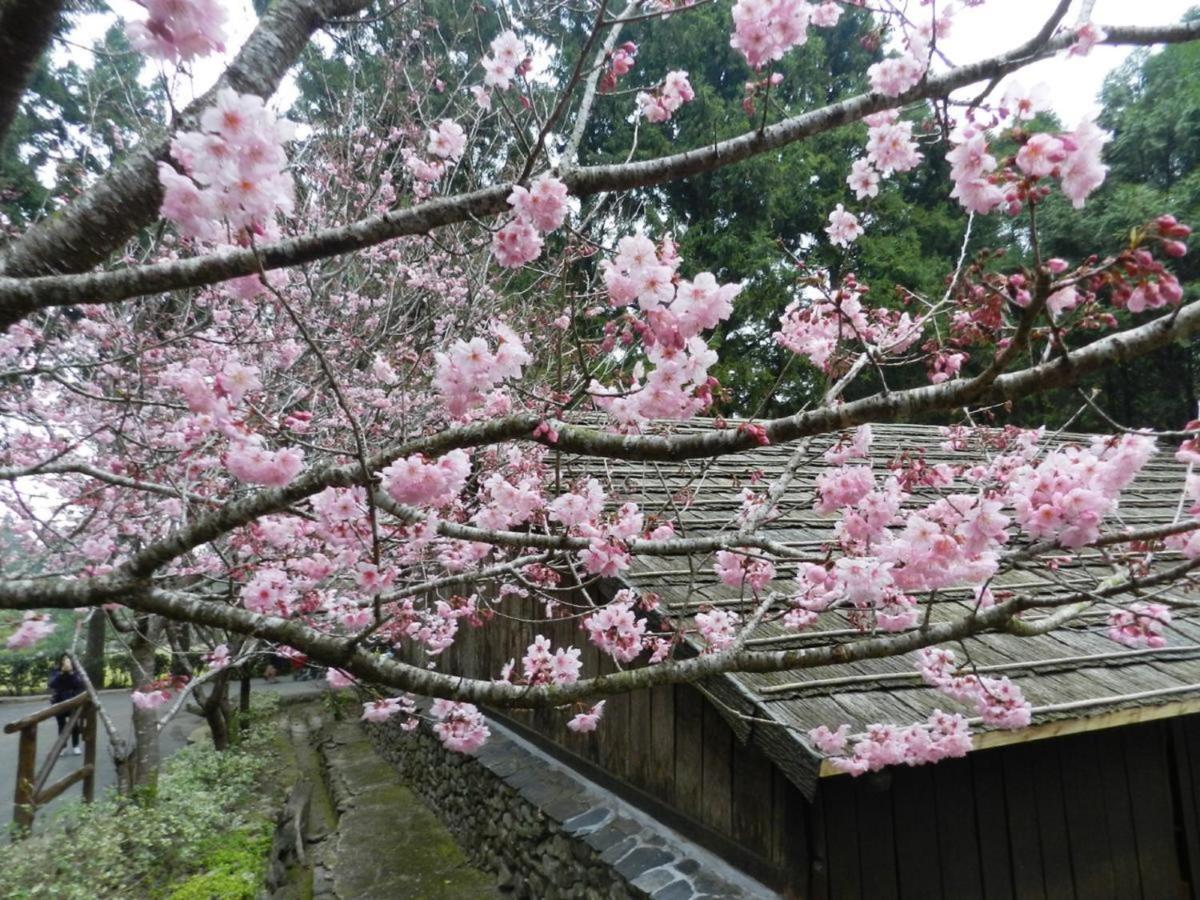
[
  {"x": 143, "y": 764},
  {"x": 128, "y": 196},
  {"x": 93, "y": 651},
  {"x": 344, "y": 653},
  {"x": 25, "y": 31},
  {"x": 21, "y": 296}
]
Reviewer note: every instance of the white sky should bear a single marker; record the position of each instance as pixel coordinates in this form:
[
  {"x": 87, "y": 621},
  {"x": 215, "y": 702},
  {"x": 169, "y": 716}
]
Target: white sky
[
  {"x": 996, "y": 26},
  {"x": 1074, "y": 83}
]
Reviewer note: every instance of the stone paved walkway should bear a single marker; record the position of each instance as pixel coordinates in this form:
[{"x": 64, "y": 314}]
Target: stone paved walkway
[{"x": 387, "y": 843}]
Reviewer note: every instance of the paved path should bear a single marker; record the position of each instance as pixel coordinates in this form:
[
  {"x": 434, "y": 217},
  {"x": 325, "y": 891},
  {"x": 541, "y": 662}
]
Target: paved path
[
  {"x": 388, "y": 844},
  {"x": 119, "y": 708}
]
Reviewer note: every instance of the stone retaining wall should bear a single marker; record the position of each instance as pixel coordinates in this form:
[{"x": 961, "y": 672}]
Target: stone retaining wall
[{"x": 546, "y": 831}]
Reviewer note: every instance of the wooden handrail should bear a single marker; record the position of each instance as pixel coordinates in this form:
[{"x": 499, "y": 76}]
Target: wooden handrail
[
  {"x": 40, "y": 715},
  {"x": 31, "y": 789}
]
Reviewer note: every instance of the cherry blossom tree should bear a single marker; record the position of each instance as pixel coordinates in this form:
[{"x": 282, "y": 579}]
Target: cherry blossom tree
[{"x": 308, "y": 384}]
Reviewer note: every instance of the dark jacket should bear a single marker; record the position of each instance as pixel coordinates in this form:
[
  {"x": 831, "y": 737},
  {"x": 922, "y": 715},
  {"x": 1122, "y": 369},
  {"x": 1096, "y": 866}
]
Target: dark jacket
[{"x": 64, "y": 685}]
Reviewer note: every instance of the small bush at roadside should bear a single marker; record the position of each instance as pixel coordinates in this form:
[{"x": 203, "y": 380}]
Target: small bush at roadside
[{"x": 206, "y": 834}]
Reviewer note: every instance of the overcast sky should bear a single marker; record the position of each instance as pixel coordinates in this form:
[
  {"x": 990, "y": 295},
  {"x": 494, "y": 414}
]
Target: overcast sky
[
  {"x": 1074, "y": 83},
  {"x": 996, "y": 26}
]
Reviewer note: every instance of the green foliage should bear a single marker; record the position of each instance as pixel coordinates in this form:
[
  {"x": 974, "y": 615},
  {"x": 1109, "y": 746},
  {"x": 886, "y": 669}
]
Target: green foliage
[
  {"x": 234, "y": 866},
  {"x": 205, "y": 834},
  {"x": 1152, "y": 108},
  {"x": 72, "y": 123}
]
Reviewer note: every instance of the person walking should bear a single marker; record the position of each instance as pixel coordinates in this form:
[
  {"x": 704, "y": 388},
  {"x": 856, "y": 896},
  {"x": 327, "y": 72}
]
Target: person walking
[{"x": 65, "y": 683}]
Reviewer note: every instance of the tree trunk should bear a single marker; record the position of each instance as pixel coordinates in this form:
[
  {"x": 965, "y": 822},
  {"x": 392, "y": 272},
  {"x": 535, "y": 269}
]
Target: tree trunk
[
  {"x": 145, "y": 757},
  {"x": 244, "y": 702},
  {"x": 93, "y": 651}
]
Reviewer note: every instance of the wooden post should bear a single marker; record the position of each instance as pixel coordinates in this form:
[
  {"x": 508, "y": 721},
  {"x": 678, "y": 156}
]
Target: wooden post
[
  {"x": 26, "y": 764},
  {"x": 89, "y": 752}
]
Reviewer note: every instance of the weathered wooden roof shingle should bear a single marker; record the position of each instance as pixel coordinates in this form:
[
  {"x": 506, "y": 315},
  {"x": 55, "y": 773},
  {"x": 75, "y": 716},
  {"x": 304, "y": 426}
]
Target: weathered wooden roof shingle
[{"x": 1075, "y": 677}]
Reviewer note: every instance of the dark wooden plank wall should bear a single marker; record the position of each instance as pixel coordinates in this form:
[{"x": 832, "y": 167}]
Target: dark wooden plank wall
[
  {"x": 1112, "y": 813},
  {"x": 668, "y": 742}
]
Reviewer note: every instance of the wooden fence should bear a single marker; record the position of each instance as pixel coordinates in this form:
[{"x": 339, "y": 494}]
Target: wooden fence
[{"x": 32, "y": 790}]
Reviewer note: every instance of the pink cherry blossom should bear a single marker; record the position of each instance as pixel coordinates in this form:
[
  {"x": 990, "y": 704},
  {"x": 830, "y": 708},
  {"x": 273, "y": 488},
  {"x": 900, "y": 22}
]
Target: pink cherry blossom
[
  {"x": 179, "y": 30},
  {"x": 583, "y": 722},
  {"x": 147, "y": 700},
  {"x": 33, "y": 628},
  {"x": 460, "y": 727},
  {"x": 1140, "y": 625},
  {"x": 447, "y": 140},
  {"x": 843, "y": 227},
  {"x": 616, "y": 630},
  {"x": 718, "y": 627},
  {"x": 543, "y": 205}
]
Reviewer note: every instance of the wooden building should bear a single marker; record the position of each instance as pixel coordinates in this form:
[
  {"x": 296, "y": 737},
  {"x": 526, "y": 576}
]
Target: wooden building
[{"x": 1100, "y": 797}]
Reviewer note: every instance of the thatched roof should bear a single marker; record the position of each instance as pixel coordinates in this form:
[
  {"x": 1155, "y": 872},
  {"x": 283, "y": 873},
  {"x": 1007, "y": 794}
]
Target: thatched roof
[{"x": 1075, "y": 677}]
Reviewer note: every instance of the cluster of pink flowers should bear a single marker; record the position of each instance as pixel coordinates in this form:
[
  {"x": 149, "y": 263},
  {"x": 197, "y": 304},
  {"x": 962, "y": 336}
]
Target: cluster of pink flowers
[
  {"x": 269, "y": 593},
  {"x": 892, "y": 77},
  {"x": 509, "y": 58},
  {"x": 1067, "y": 495},
  {"x": 843, "y": 227},
  {"x": 236, "y": 165},
  {"x": 1140, "y": 625},
  {"x": 415, "y": 481},
  {"x": 509, "y": 504},
  {"x": 380, "y": 710},
  {"x": 447, "y": 140},
  {"x": 764, "y": 30},
  {"x": 460, "y": 726},
  {"x": 151, "y": 699},
  {"x": 179, "y": 30},
  {"x": 620, "y": 64},
  {"x": 541, "y": 666},
  {"x": 248, "y": 462},
  {"x": 718, "y": 627},
  {"x": 616, "y": 629},
  {"x": 1073, "y": 158},
  {"x": 857, "y": 447},
  {"x": 941, "y": 736},
  {"x": 675, "y": 91},
  {"x": 741, "y": 570},
  {"x": 607, "y": 553},
  {"x": 583, "y": 722},
  {"x": 997, "y": 701},
  {"x": 218, "y": 657},
  {"x": 863, "y": 179},
  {"x": 675, "y": 312},
  {"x": 538, "y": 209},
  {"x": 33, "y": 628},
  {"x": 815, "y": 328},
  {"x": 970, "y": 166},
  {"x": 890, "y": 144},
  {"x": 466, "y": 372},
  {"x": 580, "y": 506},
  {"x": 1086, "y": 37}
]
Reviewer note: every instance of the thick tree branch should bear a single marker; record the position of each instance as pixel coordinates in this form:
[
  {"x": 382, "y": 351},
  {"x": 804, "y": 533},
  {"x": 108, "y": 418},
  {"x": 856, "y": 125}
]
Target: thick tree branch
[
  {"x": 128, "y": 196},
  {"x": 363, "y": 663},
  {"x": 878, "y": 408},
  {"x": 21, "y": 296},
  {"x": 25, "y": 31}
]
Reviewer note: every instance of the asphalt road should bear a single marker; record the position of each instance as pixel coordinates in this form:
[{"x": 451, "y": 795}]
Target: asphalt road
[{"x": 120, "y": 710}]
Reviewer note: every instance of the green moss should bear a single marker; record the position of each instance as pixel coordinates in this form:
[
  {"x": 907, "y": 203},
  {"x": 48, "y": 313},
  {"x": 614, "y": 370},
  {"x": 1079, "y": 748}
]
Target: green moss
[{"x": 233, "y": 867}]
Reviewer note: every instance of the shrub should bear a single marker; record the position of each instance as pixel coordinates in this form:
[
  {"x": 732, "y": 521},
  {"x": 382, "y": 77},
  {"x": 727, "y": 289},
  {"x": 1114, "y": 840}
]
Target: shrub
[{"x": 205, "y": 834}]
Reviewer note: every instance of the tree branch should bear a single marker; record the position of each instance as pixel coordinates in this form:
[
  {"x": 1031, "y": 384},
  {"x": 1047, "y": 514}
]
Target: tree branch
[{"x": 21, "y": 296}]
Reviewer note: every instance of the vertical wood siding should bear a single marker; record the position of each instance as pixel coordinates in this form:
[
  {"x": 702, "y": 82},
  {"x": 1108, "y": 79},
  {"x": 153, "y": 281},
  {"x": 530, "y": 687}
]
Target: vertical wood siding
[{"x": 1108, "y": 814}]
